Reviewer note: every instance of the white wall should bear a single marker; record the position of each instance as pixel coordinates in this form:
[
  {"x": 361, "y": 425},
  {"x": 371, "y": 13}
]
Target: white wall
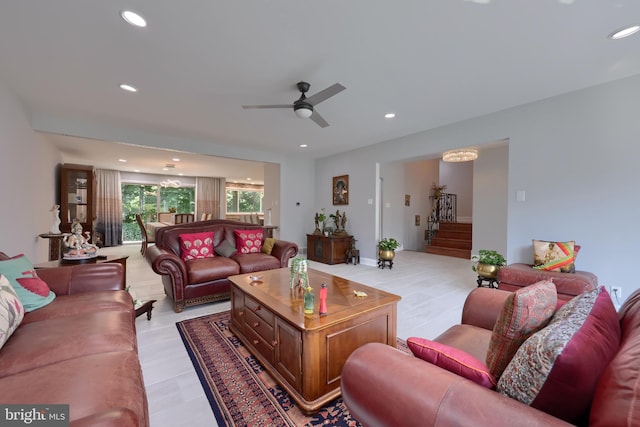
[
  {"x": 419, "y": 176},
  {"x": 28, "y": 190},
  {"x": 575, "y": 156},
  {"x": 458, "y": 177}
]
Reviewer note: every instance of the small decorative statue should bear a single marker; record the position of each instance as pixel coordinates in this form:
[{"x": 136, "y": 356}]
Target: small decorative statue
[
  {"x": 340, "y": 220},
  {"x": 76, "y": 244},
  {"x": 55, "y": 228}
]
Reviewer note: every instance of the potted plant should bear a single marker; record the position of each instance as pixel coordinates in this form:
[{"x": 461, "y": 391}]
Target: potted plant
[
  {"x": 387, "y": 247},
  {"x": 488, "y": 262}
]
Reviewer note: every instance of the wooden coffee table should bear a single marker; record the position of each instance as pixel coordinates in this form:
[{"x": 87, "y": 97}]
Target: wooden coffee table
[{"x": 305, "y": 353}]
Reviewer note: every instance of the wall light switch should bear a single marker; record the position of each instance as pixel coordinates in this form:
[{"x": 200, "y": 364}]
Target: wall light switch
[
  {"x": 370, "y": 201},
  {"x": 520, "y": 196},
  {"x": 387, "y": 205}
]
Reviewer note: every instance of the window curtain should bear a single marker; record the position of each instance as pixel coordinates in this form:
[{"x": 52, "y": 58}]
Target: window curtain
[
  {"x": 211, "y": 196},
  {"x": 108, "y": 207}
]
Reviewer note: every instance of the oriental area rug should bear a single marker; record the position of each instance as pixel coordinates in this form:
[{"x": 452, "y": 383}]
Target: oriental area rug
[{"x": 240, "y": 391}]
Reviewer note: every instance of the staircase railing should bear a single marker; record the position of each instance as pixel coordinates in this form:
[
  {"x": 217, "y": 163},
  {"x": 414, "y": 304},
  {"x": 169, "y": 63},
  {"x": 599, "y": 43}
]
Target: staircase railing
[{"x": 443, "y": 209}]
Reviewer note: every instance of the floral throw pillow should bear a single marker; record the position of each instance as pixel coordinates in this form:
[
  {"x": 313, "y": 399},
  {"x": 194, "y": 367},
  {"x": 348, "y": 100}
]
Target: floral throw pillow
[
  {"x": 249, "y": 241},
  {"x": 196, "y": 245},
  {"x": 11, "y": 310},
  {"x": 558, "y": 368}
]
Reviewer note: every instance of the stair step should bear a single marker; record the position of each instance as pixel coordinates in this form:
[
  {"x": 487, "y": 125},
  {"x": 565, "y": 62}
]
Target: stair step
[
  {"x": 451, "y": 243},
  {"x": 454, "y": 234},
  {"x": 458, "y": 226},
  {"x": 452, "y": 252}
]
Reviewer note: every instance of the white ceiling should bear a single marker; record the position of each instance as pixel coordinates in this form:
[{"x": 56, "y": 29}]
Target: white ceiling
[{"x": 197, "y": 62}]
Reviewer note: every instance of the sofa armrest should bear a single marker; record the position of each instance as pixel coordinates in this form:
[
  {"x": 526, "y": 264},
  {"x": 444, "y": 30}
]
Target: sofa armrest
[
  {"x": 84, "y": 278},
  {"x": 483, "y": 306},
  {"x": 284, "y": 251},
  {"x": 383, "y": 386}
]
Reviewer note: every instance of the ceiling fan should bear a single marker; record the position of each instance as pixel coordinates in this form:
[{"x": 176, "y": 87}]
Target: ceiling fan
[{"x": 303, "y": 106}]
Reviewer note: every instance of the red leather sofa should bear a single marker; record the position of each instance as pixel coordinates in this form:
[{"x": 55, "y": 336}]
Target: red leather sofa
[
  {"x": 383, "y": 386},
  {"x": 205, "y": 280},
  {"x": 518, "y": 275},
  {"x": 80, "y": 350}
]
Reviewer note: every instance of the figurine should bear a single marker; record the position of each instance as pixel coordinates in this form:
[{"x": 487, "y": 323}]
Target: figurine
[
  {"x": 76, "y": 244},
  {"x": 55, "y": 228}
]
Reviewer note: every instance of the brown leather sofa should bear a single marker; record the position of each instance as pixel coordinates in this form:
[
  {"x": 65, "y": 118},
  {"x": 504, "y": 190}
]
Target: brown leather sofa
[
  {"x": 383, "y": 386},
  {"x": 205, "y": 280},
  {"x": 80, "y": 350}
]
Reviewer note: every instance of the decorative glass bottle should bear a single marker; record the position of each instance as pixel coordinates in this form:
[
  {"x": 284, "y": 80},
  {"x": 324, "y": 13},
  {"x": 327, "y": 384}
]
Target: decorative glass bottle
[{"x": 309, "y": 300}]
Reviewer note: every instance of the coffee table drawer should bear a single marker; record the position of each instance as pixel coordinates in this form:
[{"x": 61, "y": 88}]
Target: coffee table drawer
[
  {"x": 257, "y": 308},
  {"x": 260, "y": 344},
  {"x": 259, "y": 325}
]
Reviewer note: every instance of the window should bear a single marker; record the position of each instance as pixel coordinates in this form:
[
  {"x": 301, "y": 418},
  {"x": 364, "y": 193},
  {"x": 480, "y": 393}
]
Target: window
[
  {"x": 148, "y": 200},
  {"x": 244, "y": 200}
]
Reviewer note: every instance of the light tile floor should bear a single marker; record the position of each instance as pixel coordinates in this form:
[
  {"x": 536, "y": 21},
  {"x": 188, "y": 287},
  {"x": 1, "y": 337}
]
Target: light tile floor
[{"x": 432, "y": 287}]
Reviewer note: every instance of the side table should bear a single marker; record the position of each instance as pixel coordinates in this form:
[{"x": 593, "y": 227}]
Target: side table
[
  {"x": 55, "y": 245},
  {"x": 146, "y": 307}
]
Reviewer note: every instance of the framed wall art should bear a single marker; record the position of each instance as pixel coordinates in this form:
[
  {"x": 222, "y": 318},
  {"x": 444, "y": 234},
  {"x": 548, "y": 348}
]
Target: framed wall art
[
  {"x": 407, "y": 200},
  {"x": 340, "y": 190},
  {"x": 417, "y": 220}
]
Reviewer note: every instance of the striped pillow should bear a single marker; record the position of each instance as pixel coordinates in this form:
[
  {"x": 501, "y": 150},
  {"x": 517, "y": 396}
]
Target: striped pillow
[{"x": 554, "y": 256}]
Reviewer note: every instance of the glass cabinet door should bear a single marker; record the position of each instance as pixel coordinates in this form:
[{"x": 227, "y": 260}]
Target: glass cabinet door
[{"x": 76, "y": 196}]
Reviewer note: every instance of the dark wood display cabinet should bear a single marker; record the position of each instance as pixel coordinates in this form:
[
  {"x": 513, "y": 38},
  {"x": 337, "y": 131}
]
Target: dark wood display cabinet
[
  {"x": 328, "y": 249},
  {"x": 77, "y": 189}
]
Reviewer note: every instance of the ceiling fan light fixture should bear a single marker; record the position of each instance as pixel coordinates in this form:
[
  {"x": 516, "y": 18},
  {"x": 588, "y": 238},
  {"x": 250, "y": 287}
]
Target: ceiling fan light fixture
[
  {"x": 304, "y": 111},
  {"x": 624, "y": 32},
  {"x": 460, "y": 155}
]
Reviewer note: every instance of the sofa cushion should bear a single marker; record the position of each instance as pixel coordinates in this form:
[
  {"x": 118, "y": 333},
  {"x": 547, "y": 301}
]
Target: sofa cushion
[
  {"x": 32, "y": 291},
  {"x": 11, "y": 310},
  {"x": 82, "y": 303},
  {"x": 255, "y": 262},
  {"x": 249, "y": 241},
  {"x": 196, "y": 245},
  {"x": 226, "y": 249},
  {"x": 453, "y": 360},
  {"x": 524, "y": 312},
  {"x": 210, "y": 269},
  {"x": 267, "y": 245},
  {"x": 557, "y": 369},
  {"x": 43, "y": 343},
  {"x": 554, "y": 256},
  {"x": 105, "y": 383}
]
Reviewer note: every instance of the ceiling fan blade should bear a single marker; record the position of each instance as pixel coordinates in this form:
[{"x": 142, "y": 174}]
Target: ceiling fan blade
[
  {"x": 325, "y": 94},
  {"x": 248, "y": 107},
  {"x": 317, "y": 118}
]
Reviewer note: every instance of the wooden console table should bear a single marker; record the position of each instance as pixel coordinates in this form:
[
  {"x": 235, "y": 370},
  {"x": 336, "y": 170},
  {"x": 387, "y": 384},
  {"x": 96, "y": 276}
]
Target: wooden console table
[{"x": 328, "y": 249}]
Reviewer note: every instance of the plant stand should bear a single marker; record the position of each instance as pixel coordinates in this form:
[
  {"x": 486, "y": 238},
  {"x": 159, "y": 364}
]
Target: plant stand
[
  {"x": 384, "y": 262},
  {"x": 492, "y": 283}
]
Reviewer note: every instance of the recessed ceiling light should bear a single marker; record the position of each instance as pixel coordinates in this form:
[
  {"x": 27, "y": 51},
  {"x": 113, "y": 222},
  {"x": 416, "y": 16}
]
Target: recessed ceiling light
[
  {"x": 133, "y": 18},
  {"x": 624, "y": 32},
  {"x": 303, "y": 145},
  {"x": 128, "y": 88},
  {"x": 389, "y": 115},
  {"x": 165, "y": 169},
  {"x": 136, "y": 170},
  {"x": 180, "y": 174},
  {"x": 122, "y": 160},
  {"x": 175, "y": 159}
]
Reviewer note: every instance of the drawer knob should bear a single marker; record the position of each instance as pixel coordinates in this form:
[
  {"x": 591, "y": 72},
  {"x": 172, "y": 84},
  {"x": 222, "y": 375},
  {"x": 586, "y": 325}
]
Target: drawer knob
[
  {"x": 255, "y": 342},
  {"x": 241, "y": 313},
  {"x": 274, "y": 343},
  {"x": 257, "y": 308},
  {"x": 255, "y": 325}
]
